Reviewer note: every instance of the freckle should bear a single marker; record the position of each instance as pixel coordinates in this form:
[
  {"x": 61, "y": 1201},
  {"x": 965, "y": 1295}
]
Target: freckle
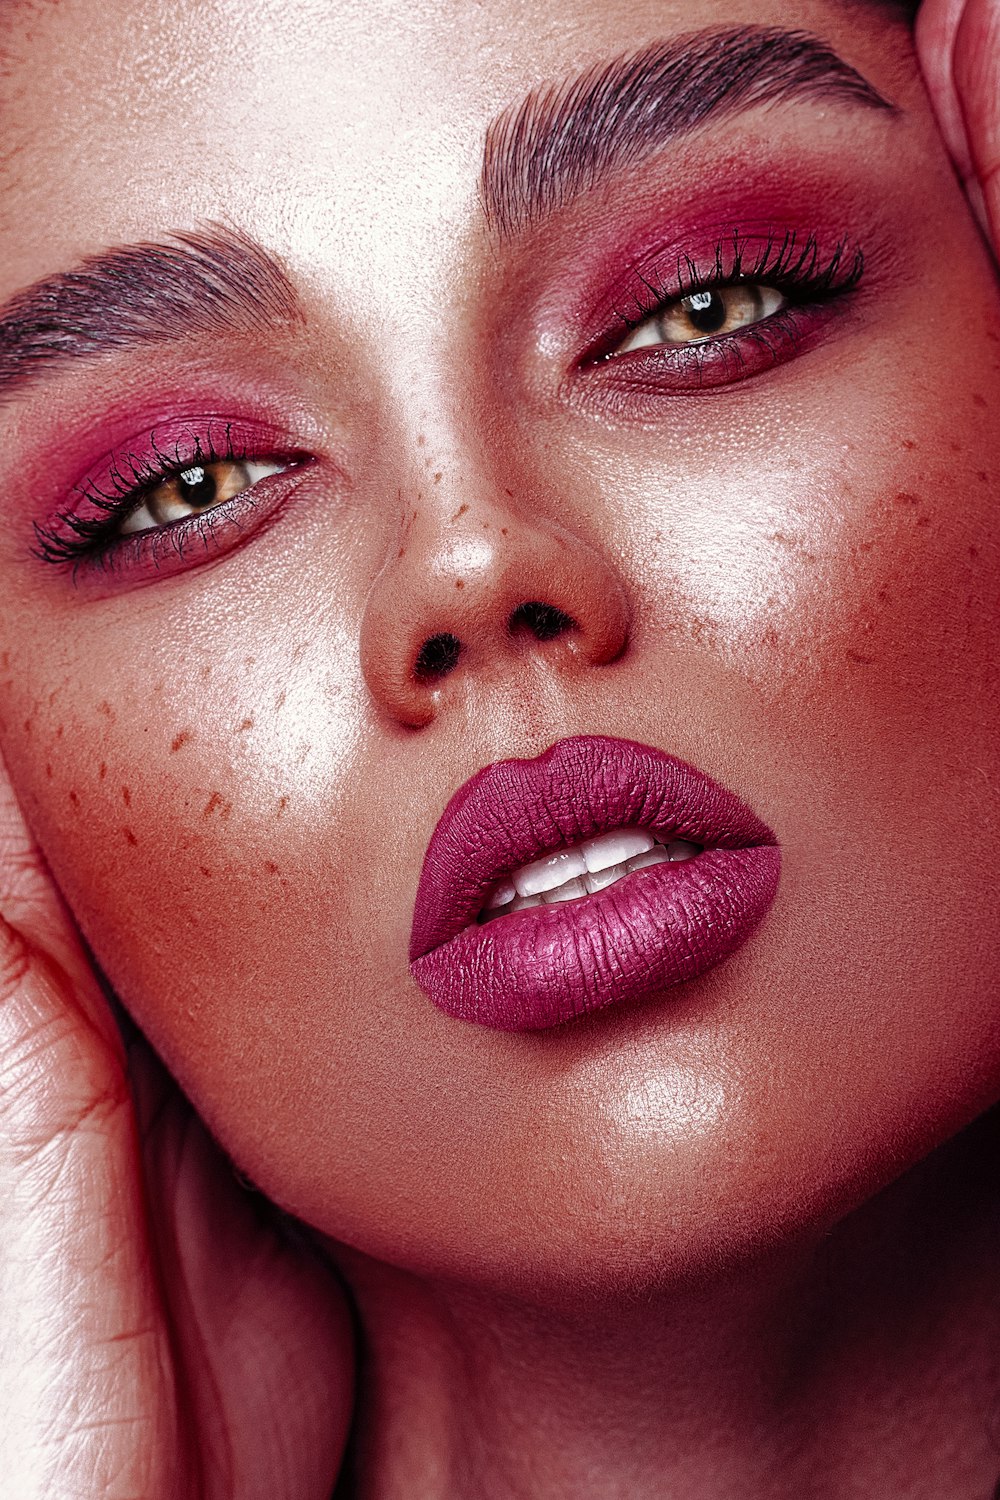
[
  {"x": 460, "y": 583},
  {"x": 923, "y": 521},
  {"x": 421, "y": 440},
  {"x": 954, "y": 446},
  {"x": 53, "y": 696},
  {"x": 437, "y": 477},
  {"x": 983, "y": 477},
  {"x": 978, "y": 400},
  {"x": 509, "y": 494},
  {"x": 883, "y": 595},
  {"x": 130, "y": 837},
  {"x": 401, "y": 552},
  {"x": 205, "y": 871},
  {"x": 104, "y": 707},
  {"x": 973, "y": 552},
  {"x": 102, "y": 773},
  {"x": 249, "y": 661},
  {"x": 460, "y": 512},
  {"x": 279, "y": 702},
  {"x": 909, "y": 444},
  {"x": 206, "y": 670},
  {"x": 5, "y": 660},
  {"x": 215, "y": 801},
  {"x": 126, "y": 796},
  {"x": 282, "y": 804},
  {"x": 180, "y": 739},
  {"x": 864, "y": 661},
  {"x": 60, "y": 731},
  {"x": 270, "y": 867},
  {"x": 74, "y": 797},
  {"x": 503, "y": 531},
  {"x": 247, "y": 724},
  {"x": 904, "y": 498}
]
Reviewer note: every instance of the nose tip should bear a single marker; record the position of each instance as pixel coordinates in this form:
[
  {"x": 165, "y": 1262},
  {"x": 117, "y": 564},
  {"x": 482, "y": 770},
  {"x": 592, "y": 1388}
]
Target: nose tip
[{"x": 533, "y": 592}]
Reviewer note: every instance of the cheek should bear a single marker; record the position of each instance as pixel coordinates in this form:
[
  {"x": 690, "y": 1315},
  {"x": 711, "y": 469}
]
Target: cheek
[
  {"x": 843, "y": 575},
  {"x": 178, "y": 806}
]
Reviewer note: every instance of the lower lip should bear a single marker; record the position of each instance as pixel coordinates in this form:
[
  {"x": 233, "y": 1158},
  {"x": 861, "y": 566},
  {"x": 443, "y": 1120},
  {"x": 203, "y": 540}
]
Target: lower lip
[{"x": 650, "y": 930}]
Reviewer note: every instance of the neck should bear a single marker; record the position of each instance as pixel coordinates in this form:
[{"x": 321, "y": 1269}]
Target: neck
[{"x": 863, "y": 1364}]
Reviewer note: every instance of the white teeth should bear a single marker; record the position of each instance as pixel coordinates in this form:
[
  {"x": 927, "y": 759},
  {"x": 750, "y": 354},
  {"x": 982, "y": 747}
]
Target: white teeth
[
  {"x": 615, "y": 848},
  {"x": 585, "y": 869},
  {"x": 600, "y": 878},
  {"x": 657, "y": 856},
  {"x": 545, "y": 874},
  {"x": 571, "y": 891},
  {"x": 504, "y": 893}
]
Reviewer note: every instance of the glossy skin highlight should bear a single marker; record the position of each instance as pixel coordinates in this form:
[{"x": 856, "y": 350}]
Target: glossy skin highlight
[{"x": 789, "y": 581}]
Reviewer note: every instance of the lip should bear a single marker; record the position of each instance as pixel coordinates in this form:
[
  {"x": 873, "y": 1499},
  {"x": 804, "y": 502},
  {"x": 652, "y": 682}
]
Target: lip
[{"x": 551, "y": 964}]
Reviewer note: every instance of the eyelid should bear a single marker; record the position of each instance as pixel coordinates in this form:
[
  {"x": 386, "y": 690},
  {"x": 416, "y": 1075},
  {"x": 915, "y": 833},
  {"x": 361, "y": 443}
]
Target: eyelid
[
  {"x": 793, "y": 261},
  {"x": 75, "y": 531}
]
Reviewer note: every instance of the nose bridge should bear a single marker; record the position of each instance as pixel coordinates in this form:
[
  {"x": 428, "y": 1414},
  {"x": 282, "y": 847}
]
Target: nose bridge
[{"x": 479, "y": 577}]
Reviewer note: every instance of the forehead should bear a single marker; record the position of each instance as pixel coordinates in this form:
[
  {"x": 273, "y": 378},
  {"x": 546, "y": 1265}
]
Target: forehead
[{"x": 306, "y": 124}]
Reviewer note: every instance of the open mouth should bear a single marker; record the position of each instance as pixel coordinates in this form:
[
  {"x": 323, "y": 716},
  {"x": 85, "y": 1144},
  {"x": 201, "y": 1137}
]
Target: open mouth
[
  {"x": 584, "y": 869},
  {"x": 619, "y": 870}
]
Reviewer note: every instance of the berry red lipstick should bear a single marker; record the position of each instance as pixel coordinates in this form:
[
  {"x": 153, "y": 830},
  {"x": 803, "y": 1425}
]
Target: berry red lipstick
[{"x": 666, "y": 917}]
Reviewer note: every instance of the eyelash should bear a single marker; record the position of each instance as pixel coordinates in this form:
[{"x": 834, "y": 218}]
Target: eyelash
[
  {"x": 88, "y": 532},
  {"x": 790, "y": 264}
]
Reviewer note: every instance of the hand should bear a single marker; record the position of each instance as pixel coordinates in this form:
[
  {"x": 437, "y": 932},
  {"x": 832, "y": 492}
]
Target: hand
[
  {"x": 958, "y": 43},
  {"x": 161, "y": 1337}
]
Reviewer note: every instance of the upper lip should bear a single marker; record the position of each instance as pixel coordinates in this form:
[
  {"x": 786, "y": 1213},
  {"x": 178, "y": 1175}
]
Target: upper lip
[{"x": 514, "y": 811}]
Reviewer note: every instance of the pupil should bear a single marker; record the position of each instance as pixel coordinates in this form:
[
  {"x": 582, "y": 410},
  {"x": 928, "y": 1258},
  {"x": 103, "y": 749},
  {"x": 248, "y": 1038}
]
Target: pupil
[
  {"x": 706, "y": 310},
  {"x": 197, "y": 486}
]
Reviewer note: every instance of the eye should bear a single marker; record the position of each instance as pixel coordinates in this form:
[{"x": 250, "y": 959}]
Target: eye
[
  {"x": 199, "y": 488},
  {"x": 700, "y": 316}
]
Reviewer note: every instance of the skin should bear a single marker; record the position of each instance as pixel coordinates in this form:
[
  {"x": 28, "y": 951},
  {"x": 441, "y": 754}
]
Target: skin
[{"x": 742, "y": 1236}]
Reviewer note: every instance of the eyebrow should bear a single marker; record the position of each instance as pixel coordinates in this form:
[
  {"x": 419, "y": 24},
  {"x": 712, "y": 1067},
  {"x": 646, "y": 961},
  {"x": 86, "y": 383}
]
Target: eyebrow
[
  {"x": 211, "y": 281},
  {"x": 565, "y": 137}
]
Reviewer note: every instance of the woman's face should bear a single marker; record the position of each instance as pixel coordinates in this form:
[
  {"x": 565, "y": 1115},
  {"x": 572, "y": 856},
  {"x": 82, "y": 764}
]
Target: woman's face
[{"x": 779, "y": 552}]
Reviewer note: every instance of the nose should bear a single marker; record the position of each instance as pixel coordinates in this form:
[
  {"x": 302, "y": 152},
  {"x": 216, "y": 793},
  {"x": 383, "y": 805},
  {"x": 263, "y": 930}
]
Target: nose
[{"x": 468, "y": 595}]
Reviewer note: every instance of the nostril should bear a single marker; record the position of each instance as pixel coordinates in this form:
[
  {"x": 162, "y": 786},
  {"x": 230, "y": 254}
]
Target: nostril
[
  {"x": 544, "y": 621},
  {"x": 438, "y": 655}
]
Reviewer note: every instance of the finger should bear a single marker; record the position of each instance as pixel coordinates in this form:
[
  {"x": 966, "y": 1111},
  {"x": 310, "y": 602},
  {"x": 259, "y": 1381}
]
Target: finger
[
  {"x": 86, "y": 1407},
  {"x": 937, "y": 27},
  {"x": 976, "y": 72},
  {"x": 32, "y": 905}
]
